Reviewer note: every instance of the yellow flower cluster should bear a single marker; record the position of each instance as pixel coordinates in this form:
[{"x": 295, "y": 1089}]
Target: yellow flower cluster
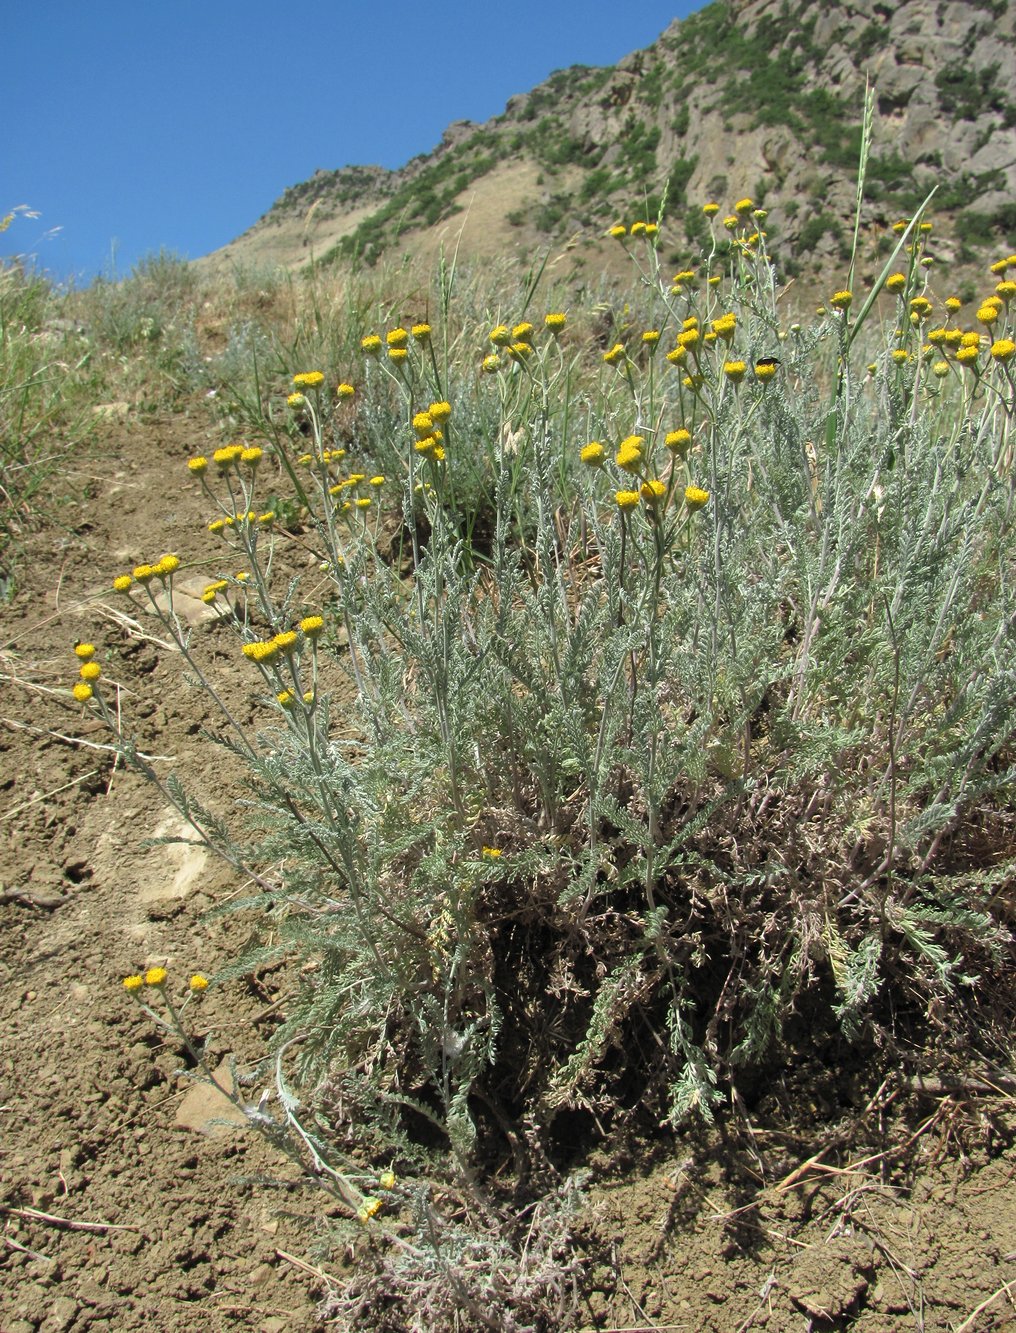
[
  {"x": 629, "y": 455},
  {"x": 633, "y": 456},
  {"x": 647, "y": 229}
]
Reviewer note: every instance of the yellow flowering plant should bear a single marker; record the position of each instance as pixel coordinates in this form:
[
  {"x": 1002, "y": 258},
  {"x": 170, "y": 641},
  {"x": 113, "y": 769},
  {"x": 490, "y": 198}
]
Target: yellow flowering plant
[{"x": 672, "y": 677}]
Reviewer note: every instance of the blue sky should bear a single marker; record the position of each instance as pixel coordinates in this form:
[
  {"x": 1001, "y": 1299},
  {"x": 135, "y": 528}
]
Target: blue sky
[{"x": 131, "y": 127}]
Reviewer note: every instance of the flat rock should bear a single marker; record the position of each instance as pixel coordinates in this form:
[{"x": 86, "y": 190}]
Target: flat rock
[
  {"x": 207, "y": 1110},
  {"x": 182, "y": 864}
]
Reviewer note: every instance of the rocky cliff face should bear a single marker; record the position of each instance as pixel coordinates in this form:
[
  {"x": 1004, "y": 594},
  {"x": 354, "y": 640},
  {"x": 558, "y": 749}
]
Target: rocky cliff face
[{"x": 758, "y": 97}]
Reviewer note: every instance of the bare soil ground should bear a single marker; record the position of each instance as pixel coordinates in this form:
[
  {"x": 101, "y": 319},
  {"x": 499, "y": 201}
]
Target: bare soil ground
[{"x": 126, "y": 1204}]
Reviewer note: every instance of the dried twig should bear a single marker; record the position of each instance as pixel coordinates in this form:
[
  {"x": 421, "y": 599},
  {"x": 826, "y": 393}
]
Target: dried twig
[
  {"x": 979, "y": 1309},
  {"x": 305, "y": 1267},
  {"x": 44, "y": 796},
  {"x": 23, "y": 1249},
  {"x": 35, "y": 1215}
]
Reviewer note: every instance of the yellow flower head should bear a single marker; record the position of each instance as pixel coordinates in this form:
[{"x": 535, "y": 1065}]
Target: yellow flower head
[
  {"x": 144, "y": 573},
  {"x": 421, "y": 332},
  {"x": 198, "y": 465},
  {"x": 90, "y": 671},
  {"x": 82, "y": 692},
  {"x": 970, "y": 339},
  {"x": 1003, "y": 350},
  {"x": 252, "y": 457},
  {"x": 308, "y": 379},
  {"x": 296, "y": 401},
  {"x": 920, "y": 305},
  {"x": 999, "y": 266},
  {"x": 122, "y": 583},
  {"x": 841, "y": 300},
  {"x": 387, "y": 1180},
  {"x": 377, "y": 481},
  {"x": 653, "y": 492},
  {"x": 132, "y": 984},
  {"x": 710, "y": 209},
  {"x": 731, "y": 221},
  {"x": 765, "y": 370},
  {"x": 967, "y": 356},
  {"x": 363, "y": 502},
  {"x": 427, "y": 445},
  {"x": 651, "y": 337},
  {"x": 169, "y": 564},
  {"x": 261, "y": 651},
  {"x": 500, "y": 336},
  {"x": 593, "y": 454},
  {"x": 678, "y": 441},
  {"x": 626, "y": 499},
  {"x": 952, "y": 304},
  {"x": 84, "y": 651},
  {"x": 312, "y": 626},
  {"x": 155, "y": 976},
  {"x": 689, "y": 337},
  {"x": 286, "y": 639},
  {"x": 695, "y": 498},
  {"x": 523, "y": 333},
  {"x": 677, "y": 355},
  {"x": 491, "y": 853},
  {"x": 369, "y": 1208},
  {"x": 734, "y": 370},
  {"x": 520, "y": 350},
  {"x": 629, "y": 454},
  {"x": 936, "y": 337},
  {"x": 440, "y": 411},
  {"x": 900, "y": 355},
  {"x": 637, "y": 229},
  {"x": 900, "y": 227},
  {"x": 724, "y": 326},
  {"x": 370, "y": 345},
  {"x": 987, "y": 313},
  {"x": 743, "y": 206},
  {"x": 617, "y": 231},
  {"x": 345, "y": 391},
  {"x": 396, "y": 337},
  {"x": 615, "y": 354},
  {"x": 490, "y": 364},
  {"x": 286, "y": 698},
  {"x": 423, "y": 423},
  {"x": 397, "y": 354},
  {"x": 198, "y": 983},
  {"x": 554, "y": 322},
  {"x": 896, "y": 282},
  {"x": 940, "y": 369}
]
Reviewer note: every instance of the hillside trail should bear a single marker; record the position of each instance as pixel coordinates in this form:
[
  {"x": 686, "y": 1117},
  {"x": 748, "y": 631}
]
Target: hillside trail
[{"x": 128, "y": 1203}]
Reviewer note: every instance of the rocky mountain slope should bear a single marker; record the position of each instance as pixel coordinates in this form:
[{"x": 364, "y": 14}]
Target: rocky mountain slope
[{"x": 757, "y": 97}]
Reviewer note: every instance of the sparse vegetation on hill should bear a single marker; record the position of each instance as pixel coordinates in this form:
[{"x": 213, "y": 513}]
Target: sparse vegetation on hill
[{"x": 739, "y": 90}]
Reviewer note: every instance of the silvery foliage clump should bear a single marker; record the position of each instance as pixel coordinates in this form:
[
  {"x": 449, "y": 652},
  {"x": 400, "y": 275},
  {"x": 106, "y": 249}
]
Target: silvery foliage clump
[{"x": 721, "y": 754}]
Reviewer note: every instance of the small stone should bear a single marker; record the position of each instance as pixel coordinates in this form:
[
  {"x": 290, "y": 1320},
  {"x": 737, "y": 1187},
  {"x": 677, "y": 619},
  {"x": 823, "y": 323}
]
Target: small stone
[{"x": 207, "y": 1110}]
